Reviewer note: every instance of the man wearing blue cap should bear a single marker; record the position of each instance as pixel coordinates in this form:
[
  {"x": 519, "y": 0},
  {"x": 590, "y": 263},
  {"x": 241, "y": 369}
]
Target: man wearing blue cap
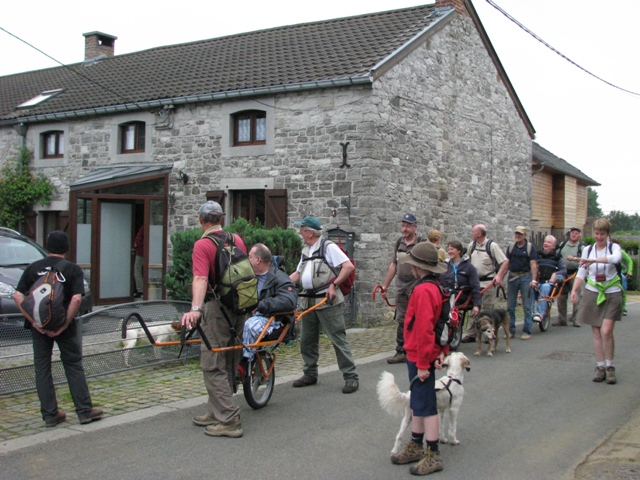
[
  {"x": 321, "y": 270},
  {"x": 405, "y": 281}
]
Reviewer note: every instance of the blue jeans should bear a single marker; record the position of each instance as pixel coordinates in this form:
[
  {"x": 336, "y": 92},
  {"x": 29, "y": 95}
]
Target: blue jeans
[
  {"x": 520, "y": 284},
  {"x": 544, "y": 291}
]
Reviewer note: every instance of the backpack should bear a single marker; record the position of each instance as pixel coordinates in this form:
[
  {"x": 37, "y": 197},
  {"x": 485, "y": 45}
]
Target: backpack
[
  {"x": 236, "y": 283},
  {"x": 44, "y": 304},
  {"x": 510, "y": 247},
  {"x": 487, "y": 249},
  {"x": 610, "y": 247},
  {"x": 448, "y": 321},
  {"x": 559, "y": 248},
  {"x": 347, "y": 285}
]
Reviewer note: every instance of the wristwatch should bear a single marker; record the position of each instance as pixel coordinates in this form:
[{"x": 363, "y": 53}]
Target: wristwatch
[{"x": 195, "y": 308}]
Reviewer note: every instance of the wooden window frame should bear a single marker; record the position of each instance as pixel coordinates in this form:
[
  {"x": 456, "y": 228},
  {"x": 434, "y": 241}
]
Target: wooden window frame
[
  {"x": 252, "y": 115},
  {"x": 59, "y": 144},
  {"x": 139, "y": 137}
]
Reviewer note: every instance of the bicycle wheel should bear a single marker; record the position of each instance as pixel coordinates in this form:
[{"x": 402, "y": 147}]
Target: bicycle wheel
[
  {"x": 256, "y": 387},
  {"x": 546, "y": 321},
  {"x": 457, "y": 335}
]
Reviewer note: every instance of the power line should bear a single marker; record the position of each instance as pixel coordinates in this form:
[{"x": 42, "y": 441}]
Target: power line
[
  {"x": 493, "y": 4},
  {"x": 127, "y": 100}
]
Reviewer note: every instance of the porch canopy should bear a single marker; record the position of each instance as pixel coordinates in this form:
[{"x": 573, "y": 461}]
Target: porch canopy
[{"x": 107, "y": 175}]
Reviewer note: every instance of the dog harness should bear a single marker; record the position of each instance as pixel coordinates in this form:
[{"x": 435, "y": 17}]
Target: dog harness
[{"x": 446, "y": 386}]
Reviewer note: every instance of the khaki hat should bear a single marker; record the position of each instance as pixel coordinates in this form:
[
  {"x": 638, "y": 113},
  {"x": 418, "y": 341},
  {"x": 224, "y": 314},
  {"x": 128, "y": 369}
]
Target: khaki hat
[
  {"x": 521, "y": 229},
  {"x": 425, "y": 256}
]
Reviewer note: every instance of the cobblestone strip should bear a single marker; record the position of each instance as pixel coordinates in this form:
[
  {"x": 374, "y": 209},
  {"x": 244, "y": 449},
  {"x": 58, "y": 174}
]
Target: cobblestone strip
[{"x": 137, "y": 389}]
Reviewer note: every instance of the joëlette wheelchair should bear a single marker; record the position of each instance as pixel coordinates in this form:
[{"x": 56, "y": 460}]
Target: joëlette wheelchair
[
  {"x": 556, "y": 291},
  {"x": 259, "y": 378}
]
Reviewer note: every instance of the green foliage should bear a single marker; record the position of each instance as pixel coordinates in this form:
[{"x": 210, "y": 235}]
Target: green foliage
[
  {"x": 593, "y": 206},
  {"x": 621, "y": 221},
  {"x": 20, "y": 189},
  {"x": 589, "y": 240},
  {"x": 281, "y": 241},
  {"x": 178, "y": 279},
  {"x": 629, "y": 246},
  {"x": 633, "y": 279}
]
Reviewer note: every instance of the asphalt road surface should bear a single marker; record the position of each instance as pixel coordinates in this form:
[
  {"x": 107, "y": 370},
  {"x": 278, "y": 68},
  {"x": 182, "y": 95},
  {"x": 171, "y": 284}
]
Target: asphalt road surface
[{"x": 531, "y": 414}]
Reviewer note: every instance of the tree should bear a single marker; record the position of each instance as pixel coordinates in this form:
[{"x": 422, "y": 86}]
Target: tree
[
  {"x": 593, "y": 206},
  {"x": 20, "y": 189},
  {"x": 623, "y": 222}
]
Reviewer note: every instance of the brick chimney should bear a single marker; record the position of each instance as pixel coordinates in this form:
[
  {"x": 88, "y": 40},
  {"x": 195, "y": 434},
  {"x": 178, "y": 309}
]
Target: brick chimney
[
  {"x": 457, "y": 4},
  {"x": 98, "y": 43}
]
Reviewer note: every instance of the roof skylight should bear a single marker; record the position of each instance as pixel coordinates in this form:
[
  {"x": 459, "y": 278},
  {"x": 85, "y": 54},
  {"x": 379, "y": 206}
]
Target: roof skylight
[{"x": 38, "y": 99}]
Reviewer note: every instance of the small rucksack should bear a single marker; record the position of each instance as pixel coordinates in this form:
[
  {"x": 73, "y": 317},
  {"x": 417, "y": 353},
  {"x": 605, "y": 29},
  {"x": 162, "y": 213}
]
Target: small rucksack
[
  {"x": 44, "y": 304},
  {"x": 236, "y": 283},
  {"x": 487, "y": 250},
  {"x": 448, "y": 321}
]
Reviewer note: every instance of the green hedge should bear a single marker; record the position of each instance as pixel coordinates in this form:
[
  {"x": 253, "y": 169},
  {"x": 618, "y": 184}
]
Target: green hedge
[{"x": 281, "y": 241}]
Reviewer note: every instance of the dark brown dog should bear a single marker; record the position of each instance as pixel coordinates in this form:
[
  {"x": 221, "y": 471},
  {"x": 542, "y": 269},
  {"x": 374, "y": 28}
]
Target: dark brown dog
[{"x": 487, "y": 324}]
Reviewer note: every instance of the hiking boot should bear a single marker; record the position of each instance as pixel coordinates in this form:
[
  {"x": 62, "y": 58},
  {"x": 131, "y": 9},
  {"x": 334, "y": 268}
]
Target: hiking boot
[
  {"x": 350, "y": 386},
  {"x": 525, "y": 336},
  {"x": 575, "y": 324},
  {"x": 432, "y": 462},
  {"x": 233, "y": 429},
  {"x": 511, "y": 335},
  {"x": 559, "y": 324},
  {"x": 600, "y": 375},
  {"x": 399, "y": 357},
  {"x": 204, "y": 420},
  {"x": 611, "y": 375},
  {"x": 305, "y": 381},
  {"x": 56, "y": 419},
  {"x": 94, "y": 414},
  {"x": 412, "y": 452},
  {"x": 624, "y": 312}
]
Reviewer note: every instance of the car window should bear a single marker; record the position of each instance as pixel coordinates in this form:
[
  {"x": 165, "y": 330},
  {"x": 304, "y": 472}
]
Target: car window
[{"x": 14, "y": 251}]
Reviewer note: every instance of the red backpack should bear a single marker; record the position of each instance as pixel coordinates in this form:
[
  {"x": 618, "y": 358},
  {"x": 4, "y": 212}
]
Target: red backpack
[{"x": 347, "y": 285}]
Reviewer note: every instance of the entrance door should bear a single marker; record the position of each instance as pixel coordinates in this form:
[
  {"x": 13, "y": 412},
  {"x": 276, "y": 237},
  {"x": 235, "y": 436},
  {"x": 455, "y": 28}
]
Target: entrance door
[{"x": 116, "y": 231}]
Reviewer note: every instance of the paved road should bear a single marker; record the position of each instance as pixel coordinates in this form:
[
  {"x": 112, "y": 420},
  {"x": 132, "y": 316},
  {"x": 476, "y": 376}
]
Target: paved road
[{"x": 531, "y": 414}]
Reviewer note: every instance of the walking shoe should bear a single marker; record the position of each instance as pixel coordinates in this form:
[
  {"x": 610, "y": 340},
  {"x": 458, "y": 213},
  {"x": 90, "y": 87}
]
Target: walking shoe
[
  {"x": 600, "y": 374},
  {"x": 204, "y": 420},
  {"x": 304, "y": 381},
  {"x": 56, "y": 419},
  {"x": 351, "y": 386},
  {"x": 94, "y": 414},
  {"x": 525, "y": 336},
  {"x": 511, "y": 335},
  {"x": 468, "y": 339},
  {"x": 233, "y": 429},
  {"x": 611, "y": 375},
  {"x": 559, "y": 324},
  {"x": 575, "y": 324},
  {"x": 412, "y": 452},
  {"x": 537, "y": 318},
  {"x": 432, "y": 462},
  {"x": 624, "y": 312},
  {"x": 399, "y": 357}
]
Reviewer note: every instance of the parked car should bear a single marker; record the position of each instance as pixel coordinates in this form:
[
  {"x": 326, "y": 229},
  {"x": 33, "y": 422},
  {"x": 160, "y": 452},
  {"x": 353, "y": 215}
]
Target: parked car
[{"x": 17, "y": 252}]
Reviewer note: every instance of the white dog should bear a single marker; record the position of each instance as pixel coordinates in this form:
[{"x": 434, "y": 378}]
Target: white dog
[
  {"x": 449, "y": 393},
  {"x": 160, "y": 333}
]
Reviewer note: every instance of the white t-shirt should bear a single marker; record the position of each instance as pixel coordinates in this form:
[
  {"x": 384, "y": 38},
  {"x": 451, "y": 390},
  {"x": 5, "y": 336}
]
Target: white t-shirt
[
  {"x": 333, "y": 255},
  {"x": 609, "y": 269}
]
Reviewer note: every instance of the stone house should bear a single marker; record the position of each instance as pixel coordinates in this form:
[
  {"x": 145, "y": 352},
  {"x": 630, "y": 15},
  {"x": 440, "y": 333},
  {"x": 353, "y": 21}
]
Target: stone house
[
  {"x": 355, "y": 120},
  {"x": 559, "y": 194}
]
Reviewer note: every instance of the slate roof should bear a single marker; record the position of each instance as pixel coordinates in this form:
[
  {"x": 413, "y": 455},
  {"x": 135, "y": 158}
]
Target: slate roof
[
  {"x": 324, "y": 51},
  {"x": 549, "y": 160}
]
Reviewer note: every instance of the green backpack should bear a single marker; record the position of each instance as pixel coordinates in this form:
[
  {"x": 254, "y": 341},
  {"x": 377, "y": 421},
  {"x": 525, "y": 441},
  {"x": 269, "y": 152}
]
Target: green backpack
[{"x": 236, "y": 283}]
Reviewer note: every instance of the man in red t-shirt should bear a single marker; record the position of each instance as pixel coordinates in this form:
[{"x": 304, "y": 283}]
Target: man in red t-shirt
[{"x": 218, "y": 369}]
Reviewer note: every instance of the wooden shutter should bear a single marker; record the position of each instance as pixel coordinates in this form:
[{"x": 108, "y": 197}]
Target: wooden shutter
[
  {"x": 275, "y": 208},
  {"x": 217, "y": 196},
  {"x": 29, "y": 226}
]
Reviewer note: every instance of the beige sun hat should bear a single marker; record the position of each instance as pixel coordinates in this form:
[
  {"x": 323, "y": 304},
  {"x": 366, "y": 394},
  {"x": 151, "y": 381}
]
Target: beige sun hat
[{"x": 425, "y": 256}]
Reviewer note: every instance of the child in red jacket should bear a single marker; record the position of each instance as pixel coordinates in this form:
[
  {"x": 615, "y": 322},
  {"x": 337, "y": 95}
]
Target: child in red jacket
[{"x": 424, "y": 355}]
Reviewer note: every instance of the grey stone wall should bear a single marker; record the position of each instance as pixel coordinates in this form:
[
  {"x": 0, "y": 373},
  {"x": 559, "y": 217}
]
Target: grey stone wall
[{"x": 437, "y": 135}]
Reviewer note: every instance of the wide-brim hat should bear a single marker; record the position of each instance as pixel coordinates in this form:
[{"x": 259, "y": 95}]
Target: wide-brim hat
[{"x": 425, "y": 256}]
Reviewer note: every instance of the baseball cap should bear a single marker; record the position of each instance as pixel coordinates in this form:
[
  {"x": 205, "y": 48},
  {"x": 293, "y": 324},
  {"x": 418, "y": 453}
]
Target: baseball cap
[
  {"x": 309, "y": 221},
  {"x": 210, "y": 207},
  {"x": 521, "y": 229},
  {"x": 574, "y": 228},
  {"x": 409, "y": 218}
]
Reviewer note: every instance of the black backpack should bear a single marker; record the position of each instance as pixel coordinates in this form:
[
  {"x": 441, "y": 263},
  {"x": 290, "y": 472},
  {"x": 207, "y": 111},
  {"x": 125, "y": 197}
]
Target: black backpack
[
  {"x": 581, "y": 245},
  {"x": 447, "y": 323},
  {"x": 44, "y": 304},
  {"x": 487, "y": 249},
  {"x": 610, "y": 247},
  {"x": 236, "y": 283}
]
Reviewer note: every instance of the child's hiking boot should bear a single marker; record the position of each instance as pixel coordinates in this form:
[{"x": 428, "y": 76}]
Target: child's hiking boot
[
  {"x": 432, "y": 462},
  {"x": 412, "y": 452}
]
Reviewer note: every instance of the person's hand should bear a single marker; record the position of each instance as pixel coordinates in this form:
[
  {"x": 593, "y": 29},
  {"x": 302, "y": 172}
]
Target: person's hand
[
  {"x": 475, "y": 311},
  {"x": 439, "y": 360},
  {"x": 383, "y": 291},
  {"x": 190, "y": 318},
  {"x": 423, "y": 374},
  {"x": 331, "y": 291},
  {"x": 497, "y": 281}
]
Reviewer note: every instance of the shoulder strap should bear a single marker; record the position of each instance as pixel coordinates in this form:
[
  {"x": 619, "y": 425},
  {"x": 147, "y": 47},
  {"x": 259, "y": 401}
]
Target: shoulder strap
[
  {"x": 473, "y": 247},
  {"x": 487, "y": 248},
  {"x": 561, "y": 246}
]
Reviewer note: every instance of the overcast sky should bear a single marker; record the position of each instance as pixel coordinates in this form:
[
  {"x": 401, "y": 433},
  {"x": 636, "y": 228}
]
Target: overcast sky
[{"x": 592, "y": 125}]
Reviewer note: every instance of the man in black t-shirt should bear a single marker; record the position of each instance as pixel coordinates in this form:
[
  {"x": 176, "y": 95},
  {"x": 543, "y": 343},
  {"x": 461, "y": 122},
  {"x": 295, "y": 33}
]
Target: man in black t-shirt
[{"x": 65, "y": 337}]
